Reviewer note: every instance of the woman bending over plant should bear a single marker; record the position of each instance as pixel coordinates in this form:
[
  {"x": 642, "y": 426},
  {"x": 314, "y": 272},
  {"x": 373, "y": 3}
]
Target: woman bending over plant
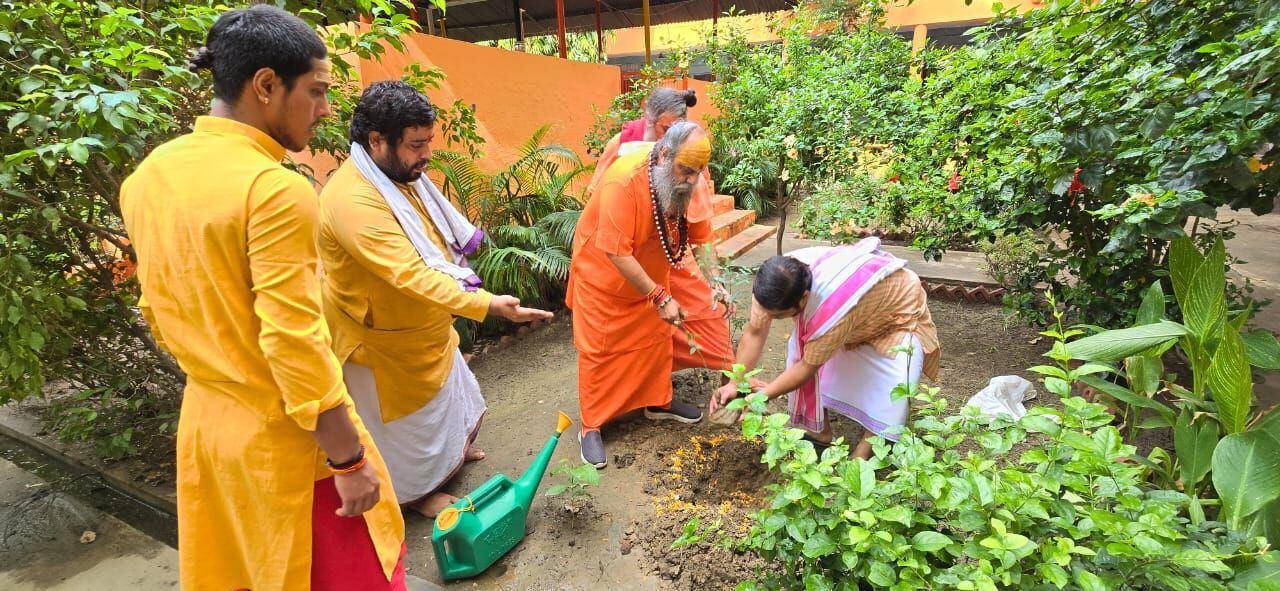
[{"x": 861, "y": 316}]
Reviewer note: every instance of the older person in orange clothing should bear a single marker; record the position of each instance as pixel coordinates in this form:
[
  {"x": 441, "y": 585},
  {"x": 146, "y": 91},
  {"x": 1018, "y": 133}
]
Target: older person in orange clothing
[
  {"x": 633, "y": 232},
  {"x": 706, "y": 312}
]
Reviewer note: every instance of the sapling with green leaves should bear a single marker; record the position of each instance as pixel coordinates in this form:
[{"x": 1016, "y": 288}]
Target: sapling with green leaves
[
  {"x": 740, "y": 377},
  {"x": 578, "y": 481}
]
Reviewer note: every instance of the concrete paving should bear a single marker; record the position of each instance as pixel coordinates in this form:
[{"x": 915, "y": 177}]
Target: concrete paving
[
  {"x": 50, "y": 541},
  {"x": 53, "y": 542},
  {"x": 960, "y": 267}
]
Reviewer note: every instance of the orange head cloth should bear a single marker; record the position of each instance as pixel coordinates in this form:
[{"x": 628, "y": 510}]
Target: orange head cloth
[{"x": 695, "y": 154}]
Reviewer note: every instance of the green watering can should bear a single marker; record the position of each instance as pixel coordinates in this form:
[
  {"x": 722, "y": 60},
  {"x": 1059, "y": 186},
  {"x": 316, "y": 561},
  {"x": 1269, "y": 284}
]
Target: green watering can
[{"x": 473, "y": 533}]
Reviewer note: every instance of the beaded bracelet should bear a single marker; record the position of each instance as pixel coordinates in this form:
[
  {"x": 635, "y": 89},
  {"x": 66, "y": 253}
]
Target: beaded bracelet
[
  {"x": 359, "y": 459},
  {"x": 662, "y": 304},
  {"x": 658, "y": 296},
  {"x": 352, "y": 468}
]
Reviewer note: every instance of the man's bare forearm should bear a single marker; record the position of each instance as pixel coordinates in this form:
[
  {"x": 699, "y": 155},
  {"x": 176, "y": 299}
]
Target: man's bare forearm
[
  {"x": 337, "y": 435},
  {"x": 633, "y": 273}
]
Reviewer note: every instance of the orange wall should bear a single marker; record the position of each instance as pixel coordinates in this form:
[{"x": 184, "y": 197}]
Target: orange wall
[
  {"x": 514, "y": 93},
  {"x": 630, "y": 41},
  {"x": 704, "y": 110},
  {"x": 899, "y": 14},
  {"x": 940, "y": 12}
]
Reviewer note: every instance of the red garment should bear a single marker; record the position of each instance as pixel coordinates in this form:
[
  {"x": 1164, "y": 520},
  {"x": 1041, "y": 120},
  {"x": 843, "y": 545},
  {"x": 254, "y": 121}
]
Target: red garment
[
  {"x": 342, "y": 554},
  {"x": 633, "y": 131}
]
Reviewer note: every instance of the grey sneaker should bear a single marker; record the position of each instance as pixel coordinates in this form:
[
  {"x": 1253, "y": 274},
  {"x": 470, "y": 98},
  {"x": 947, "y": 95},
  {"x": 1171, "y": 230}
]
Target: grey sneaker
[
  {"x": 591, "y": 447},
  {"x": 677, "y": 411}
]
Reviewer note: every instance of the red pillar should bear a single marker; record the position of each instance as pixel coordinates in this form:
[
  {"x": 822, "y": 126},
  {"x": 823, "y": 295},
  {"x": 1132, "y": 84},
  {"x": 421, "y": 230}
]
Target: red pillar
[
  {"x": 564, "y": 48},
  {"x": 599, "y": 34}
]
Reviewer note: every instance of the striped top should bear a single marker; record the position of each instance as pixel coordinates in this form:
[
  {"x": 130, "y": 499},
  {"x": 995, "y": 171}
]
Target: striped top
[{"x": 886, "y": 314}]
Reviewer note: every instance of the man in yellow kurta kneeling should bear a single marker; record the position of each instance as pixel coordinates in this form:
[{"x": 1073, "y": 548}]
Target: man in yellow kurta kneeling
[
  {"x": 394, "y": 252},
  {"x": 225, "y": 240}
]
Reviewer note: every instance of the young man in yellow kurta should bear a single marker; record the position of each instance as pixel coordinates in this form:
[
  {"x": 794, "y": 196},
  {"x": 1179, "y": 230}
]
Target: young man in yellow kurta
[
  {"x": 225, "y": 238},
  {"x": 394, "y": 252}
]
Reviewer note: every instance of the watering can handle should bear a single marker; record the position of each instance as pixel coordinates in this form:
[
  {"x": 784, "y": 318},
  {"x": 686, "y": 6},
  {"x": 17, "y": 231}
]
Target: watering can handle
[{"x": 482, "y": 494}]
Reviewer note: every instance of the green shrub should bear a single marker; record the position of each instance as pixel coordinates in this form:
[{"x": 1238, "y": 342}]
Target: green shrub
[
  {"x": 1114, "y": 124},
  {"x": 1220, "y": 435},
  {"x": 968, "y": 502},
  {"x": 86, "y": 90}
]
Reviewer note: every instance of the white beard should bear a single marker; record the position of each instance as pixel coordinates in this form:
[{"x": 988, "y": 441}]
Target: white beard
[{"x": 673, "y": 196}]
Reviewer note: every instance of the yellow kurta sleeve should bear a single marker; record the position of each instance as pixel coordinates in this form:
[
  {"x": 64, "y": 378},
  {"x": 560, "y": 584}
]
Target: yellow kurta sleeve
[
  {"x": 150, "y": 318},
  {"x": 283, "y": 217},
  {"x": 368, "y": 231}
]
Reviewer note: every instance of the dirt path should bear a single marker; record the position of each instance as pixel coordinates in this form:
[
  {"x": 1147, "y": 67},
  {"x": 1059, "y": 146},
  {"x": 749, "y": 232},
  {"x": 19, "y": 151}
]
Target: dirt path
[{"x": 660, "y": 474}]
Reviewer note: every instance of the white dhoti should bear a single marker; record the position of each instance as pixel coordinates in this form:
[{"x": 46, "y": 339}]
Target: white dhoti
[
  {"x": 857, "y": 384},
  {"x": 424, "y": 449}
]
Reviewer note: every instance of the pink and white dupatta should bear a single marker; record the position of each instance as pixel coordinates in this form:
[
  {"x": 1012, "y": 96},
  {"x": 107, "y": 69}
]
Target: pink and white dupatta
[{"x": 841, "y": 276}]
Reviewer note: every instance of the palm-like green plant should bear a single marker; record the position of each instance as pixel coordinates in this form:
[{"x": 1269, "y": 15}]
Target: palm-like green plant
[{"x": 529, "y": 212}]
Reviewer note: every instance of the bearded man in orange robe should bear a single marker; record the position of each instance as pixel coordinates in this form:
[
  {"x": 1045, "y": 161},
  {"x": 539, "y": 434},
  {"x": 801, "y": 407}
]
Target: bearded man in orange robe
[{"x": 631, "y": 235}]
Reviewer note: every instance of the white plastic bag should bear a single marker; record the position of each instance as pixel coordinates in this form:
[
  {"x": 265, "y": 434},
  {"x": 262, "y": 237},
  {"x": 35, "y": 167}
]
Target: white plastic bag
[{"x": 1004, "y": 396}]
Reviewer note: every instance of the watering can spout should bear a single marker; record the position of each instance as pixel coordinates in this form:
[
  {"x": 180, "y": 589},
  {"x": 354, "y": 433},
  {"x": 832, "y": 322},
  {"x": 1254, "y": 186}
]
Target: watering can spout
[{"x": 527, "y": 485}]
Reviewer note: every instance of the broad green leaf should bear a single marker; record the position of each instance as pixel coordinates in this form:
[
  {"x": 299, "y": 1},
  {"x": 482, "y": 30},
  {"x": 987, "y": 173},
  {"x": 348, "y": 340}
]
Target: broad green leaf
[
  {"x": 78, "y": 152},
  {"x": 1206, "y": 305},
  {"x": 1262, "y": 349},
  {"x": 18, "y": 119},
  {"x": 818, "y": 544},
  {"x": 1231, "y": 383},
  {"x": 1144, "y": 373},
  {"x": 860, "y": 477},
  {"x": 1264, "y": 569},
  {"x": 1266, "y": 522},
  {"x": 1269, "y": 423},
  {"x": 882, "y": 575},
  {"x": 1115, "y": 345},
  {"x": 1184, "y": 259},
  {"x": 1054, "y": 574},
  {"x": 930, "y": 541},
  {"x": 1158, "y": 121},
  {"x": 1093, "y": 368},
  {"x": 817, "y": 582},
  {"x": 895, "y": 514},
  {"x": 1041, "y": 424},
  {"x": 1194, "y": 441},
  {"x": 1089, "y": 581},
  {"x": 1049, "y": 370},
  {"x": 1246, "y": 474},
  {"x": 1153, "y": 306}
]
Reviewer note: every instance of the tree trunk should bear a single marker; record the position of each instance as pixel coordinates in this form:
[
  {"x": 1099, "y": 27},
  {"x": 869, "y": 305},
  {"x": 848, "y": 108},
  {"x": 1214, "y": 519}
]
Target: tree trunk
[
  {"x": 782, "y": 227},
  {"x": 781, "y": 201}
]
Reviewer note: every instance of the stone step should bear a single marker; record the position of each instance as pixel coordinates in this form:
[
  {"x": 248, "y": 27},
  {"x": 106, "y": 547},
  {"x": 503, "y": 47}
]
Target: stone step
[
  {"x": 721, "y": 204},
  {"x": 744, "y": 241},
  {"x": 729, "y": 224}
]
